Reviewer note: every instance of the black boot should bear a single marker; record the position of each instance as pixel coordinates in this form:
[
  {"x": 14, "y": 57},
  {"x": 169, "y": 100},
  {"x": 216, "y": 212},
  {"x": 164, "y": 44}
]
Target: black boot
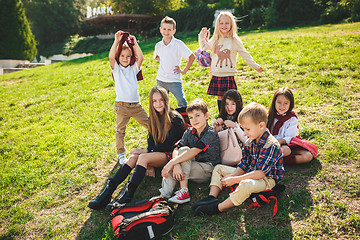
[
  {"x": 104, "y": 197},
  {"x": 205, "y": 201},
  {"x": 125, "y": 196},
  {"x": 210, "y": 209}
]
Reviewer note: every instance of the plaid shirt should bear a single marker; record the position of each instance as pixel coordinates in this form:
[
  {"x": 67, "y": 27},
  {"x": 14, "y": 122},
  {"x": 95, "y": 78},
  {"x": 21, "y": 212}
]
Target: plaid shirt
[{"x": 265, "y": 155}]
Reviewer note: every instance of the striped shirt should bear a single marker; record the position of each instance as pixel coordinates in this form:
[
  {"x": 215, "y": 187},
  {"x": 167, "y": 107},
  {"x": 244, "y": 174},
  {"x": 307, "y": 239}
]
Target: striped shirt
[{"x": 265, "y": 155}]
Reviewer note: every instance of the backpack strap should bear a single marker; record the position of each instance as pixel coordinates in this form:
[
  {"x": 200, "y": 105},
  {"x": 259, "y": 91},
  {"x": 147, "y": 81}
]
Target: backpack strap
[
  {"x": 266, "y": 200},
  {"x": 161, "y": 208}
]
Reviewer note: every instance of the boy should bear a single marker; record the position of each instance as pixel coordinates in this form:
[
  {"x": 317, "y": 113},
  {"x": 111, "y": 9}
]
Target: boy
[
  {"x": 194, "y": 156},
  {"x": 260, "y": 168},
  {"x": 169, "y": 52},
  {"x": 127, "y": 102}
]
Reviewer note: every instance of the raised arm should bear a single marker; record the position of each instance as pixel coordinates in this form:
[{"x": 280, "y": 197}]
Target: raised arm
[
  {"x": 112, "y": 53},
  {"x": 138, "y": 53}
]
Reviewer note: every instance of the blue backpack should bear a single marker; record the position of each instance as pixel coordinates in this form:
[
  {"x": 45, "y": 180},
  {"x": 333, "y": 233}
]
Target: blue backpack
[{"x": 203, "y": 58}]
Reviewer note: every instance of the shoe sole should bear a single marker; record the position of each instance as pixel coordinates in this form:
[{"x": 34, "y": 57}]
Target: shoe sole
[{"x": 179, "y": 201}]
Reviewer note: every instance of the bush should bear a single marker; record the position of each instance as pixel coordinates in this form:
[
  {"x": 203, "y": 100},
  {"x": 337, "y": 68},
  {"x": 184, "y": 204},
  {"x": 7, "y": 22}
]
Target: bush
[{"x": 16, "y": 38}]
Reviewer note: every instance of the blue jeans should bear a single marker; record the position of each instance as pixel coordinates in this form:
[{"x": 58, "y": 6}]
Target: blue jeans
[{"x": 176, "y": 89}]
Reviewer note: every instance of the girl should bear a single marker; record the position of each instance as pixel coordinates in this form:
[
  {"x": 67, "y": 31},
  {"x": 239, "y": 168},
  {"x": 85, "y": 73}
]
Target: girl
[
  {"x": 224, "y": 46},
  {"x": 283, "y": 124},
  {"x": 166, "y": 127},
  {"x": 231, "y": 106}
]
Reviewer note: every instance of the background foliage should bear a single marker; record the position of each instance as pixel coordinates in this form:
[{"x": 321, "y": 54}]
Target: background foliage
[{"x": 16, "y": 38}]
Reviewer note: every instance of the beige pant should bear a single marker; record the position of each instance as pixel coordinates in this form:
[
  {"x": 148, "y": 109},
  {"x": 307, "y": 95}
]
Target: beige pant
[
  {"x": 245, "y": 188},
  {"x": 193, "y": 170},
  {"x": 124, "y": 111}
]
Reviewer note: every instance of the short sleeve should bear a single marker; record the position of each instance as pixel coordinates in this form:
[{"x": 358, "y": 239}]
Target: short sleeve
[
  {"x": 185, "y": 52},
  {"x": 156, "y": 50}
]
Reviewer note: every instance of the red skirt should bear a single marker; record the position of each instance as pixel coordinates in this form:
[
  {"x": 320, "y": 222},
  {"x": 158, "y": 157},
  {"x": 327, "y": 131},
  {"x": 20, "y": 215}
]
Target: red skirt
[
  {"x": 219, "y": 85},
  {"x": 299, "y": 142}
]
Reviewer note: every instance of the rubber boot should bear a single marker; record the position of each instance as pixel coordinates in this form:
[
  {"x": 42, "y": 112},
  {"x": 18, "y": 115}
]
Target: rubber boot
[
  {"x": 125, "y": 196},
  {"x": 104, "y": 197}
]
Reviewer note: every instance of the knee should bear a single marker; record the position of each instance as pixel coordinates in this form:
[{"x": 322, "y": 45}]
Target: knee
[
  {"x": 285, "y": 150},
  {"x": 142, "y": 160}
]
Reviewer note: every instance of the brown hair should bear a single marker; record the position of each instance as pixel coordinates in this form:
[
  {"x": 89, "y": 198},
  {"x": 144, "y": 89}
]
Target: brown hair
[
  {"x": 255, "y": 111},
  {"x": 168, "y": 20},
  {"x": 272, "y": 111},
  {"x": 159, "y": 124},
  {"x": 197, "y": 104}
]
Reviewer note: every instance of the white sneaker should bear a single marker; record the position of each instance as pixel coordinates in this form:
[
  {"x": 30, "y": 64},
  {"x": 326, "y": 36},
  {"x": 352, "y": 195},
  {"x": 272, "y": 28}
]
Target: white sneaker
[
  {"x": 181, "y": 196},
  {"x": 122, "y": 158}
]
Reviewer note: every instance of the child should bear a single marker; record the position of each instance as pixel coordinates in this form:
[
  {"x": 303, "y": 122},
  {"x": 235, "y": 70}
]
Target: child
[
  {"x": 194, "y": 157},
  {"x": 260, "y": 168},
  {"x": 168, "y": 52},
  {"x": 231, "y": 105},
  {"x": 224, "y": 46},
  {"x": 166, "y": 128},
  {"x": 127, "y": 102},
  {"x": 284, "y": 125}
]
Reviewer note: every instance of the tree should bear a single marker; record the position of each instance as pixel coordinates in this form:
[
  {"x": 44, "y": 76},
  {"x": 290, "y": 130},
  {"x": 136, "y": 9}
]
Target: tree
[
  {"x": 152, "y": 7},
  {"x": 16, "y": 38}
]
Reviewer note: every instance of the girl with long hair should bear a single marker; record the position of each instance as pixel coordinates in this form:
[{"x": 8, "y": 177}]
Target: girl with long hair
[{"x": 166, "y": 127}]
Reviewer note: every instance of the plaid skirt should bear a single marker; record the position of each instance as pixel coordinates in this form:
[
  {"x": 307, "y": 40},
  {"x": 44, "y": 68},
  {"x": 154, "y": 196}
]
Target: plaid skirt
[{"x": 219, "y": 85}]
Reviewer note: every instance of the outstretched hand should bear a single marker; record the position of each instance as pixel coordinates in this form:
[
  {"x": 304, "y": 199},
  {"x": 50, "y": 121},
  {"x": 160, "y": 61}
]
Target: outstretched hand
[{"x": 118, "y": 35}]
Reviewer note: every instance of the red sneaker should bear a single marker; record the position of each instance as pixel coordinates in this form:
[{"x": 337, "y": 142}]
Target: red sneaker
[{"x": 181, "y": 196}]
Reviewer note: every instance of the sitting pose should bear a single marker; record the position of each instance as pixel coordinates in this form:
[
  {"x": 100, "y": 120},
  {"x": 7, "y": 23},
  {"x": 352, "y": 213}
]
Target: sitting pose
[
  {"x": 166, "y": 127},
  {"x": 284, "y": 125},
  {"x": 260, "y": 168},
  {"x": 231, "y": 106},
  {"x": 194, "y": 157}
]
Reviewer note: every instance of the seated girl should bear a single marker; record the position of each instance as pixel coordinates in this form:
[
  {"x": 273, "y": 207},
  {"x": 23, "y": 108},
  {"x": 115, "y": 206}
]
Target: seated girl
[
  {"x": 284, "y": 125},
  {"x": 166, "y": 127},
  {"x": 231, "y": 106}
]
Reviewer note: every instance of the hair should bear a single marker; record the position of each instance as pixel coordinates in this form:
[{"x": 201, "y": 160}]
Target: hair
[
  {"x": 125, "y": 46},
  {"x": 255, "y": 111},
  {"x": 169, "y": 20},
  {"x": 218, "y": 37},
  {"x": 197, "y": 104},
  {"x": 272, "y": 111},
  {"x": 160, "y": 125},
  {"x": 235, "y": 96}
]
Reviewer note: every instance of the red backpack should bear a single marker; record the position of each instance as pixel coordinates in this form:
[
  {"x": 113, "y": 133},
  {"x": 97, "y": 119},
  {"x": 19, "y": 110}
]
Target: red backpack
[{"x": 145, "y": 219}]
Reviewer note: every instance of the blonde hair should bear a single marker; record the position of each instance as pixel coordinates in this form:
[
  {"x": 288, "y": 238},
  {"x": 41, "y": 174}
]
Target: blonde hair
[
  {"x": 218, "y": 36},
  {"x": 159, "y": 124},
  {"x": 169, "y": 20},
  {"x": 255, "y": 111}
]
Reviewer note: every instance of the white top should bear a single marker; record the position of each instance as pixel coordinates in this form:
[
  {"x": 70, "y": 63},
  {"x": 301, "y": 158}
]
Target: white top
[
  {"x": 288, "y": 130},
  {"x": 223, "y": 60},
  {"x": 126, "y": 84},
  {"x": 170, "y": 56}
]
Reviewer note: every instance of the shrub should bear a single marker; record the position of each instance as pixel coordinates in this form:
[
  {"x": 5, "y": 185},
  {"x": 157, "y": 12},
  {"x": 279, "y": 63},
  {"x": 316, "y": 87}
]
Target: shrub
[{"x": 16, "y": 38}]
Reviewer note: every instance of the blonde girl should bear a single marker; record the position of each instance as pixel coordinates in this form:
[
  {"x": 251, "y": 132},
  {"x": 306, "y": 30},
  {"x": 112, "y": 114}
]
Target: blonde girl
[
  {"x": 166, "y": 127},
  {"x": 284, "y": 125},
  {"x": 224, "y": 46}
]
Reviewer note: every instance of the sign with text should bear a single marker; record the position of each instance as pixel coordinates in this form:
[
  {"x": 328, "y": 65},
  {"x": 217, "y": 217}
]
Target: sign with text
[{"x": 102, "y": 10}]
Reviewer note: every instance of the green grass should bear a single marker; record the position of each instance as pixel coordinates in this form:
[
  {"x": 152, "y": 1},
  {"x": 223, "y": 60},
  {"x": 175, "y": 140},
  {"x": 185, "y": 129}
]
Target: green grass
[{"x": 57, "y": 143}]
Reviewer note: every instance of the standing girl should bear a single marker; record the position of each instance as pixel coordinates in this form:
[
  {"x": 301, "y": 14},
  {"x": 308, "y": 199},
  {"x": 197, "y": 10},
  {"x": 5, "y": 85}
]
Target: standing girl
[
  {"x": 224, "y": 46},
  {"x": 166, "y": 127},
  {"x": 231, "y": 106},
  {"x": 283, "y": 124}
]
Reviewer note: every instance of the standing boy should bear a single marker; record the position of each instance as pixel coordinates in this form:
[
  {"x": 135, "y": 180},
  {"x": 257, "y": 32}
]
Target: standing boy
[
  {"x": 194, "y": 157},
  {"x": 260, "y": 168},
  {"x": 127, "y": 102},
  {"x": 169, "y": 52}
]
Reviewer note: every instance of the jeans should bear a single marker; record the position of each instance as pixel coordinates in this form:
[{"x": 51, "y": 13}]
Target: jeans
[{"x": 176, "y": 89}]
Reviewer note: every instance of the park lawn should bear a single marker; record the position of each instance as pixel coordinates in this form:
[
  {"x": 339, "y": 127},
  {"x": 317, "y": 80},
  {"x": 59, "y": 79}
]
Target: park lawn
[{"x": 57, "y": 143}]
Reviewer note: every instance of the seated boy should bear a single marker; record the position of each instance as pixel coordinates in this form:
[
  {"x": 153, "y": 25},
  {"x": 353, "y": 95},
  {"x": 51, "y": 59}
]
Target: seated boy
[
  {"x": 260, "y": 168},
  {"x": 194, "y": 156}
]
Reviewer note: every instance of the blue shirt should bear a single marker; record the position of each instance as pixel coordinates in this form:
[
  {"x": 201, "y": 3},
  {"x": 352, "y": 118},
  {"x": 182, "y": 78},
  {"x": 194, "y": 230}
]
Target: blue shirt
[{"x": 265, "y": 155}]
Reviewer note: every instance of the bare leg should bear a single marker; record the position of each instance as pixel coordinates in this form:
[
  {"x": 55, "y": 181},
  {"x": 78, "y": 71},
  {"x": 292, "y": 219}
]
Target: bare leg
[
  {"x": 220, "y": 97},
  {"x": 285, "y": 150},
  {"x": 225, "y": 205},
  {"x": 214, "y": 191},
  {"x": 302, "y": 156},
  {"x": 151, "y": 160},
  {"x": 132, "y": 160}
]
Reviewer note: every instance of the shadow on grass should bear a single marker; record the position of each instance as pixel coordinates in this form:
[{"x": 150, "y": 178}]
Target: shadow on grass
[{"x": 98, "y": 225}]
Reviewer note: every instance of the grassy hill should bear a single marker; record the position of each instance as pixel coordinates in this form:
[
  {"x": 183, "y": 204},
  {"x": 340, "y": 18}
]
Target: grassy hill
[{"x": 57, "y": 143}]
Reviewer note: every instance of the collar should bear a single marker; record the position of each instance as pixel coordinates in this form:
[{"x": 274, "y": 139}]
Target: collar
[
  {"x": 263, "y": 138},
  {"x": 123, "y": 68},
  {"x": 193, "y": 131},
  {"x": 171, "y": 43}
]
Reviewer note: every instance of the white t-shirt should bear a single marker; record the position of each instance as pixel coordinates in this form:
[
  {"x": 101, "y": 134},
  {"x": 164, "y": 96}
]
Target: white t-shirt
[
  {"x": 288, "y": 130},
  {"x": 170, "y": 56},
  {"x": 126, "y": 84}
]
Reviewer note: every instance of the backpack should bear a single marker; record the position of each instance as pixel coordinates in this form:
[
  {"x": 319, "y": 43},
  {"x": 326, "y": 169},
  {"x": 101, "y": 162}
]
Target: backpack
[
  {"x": 146, "y": 219},
  {"x": 262, "y": 198}
]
